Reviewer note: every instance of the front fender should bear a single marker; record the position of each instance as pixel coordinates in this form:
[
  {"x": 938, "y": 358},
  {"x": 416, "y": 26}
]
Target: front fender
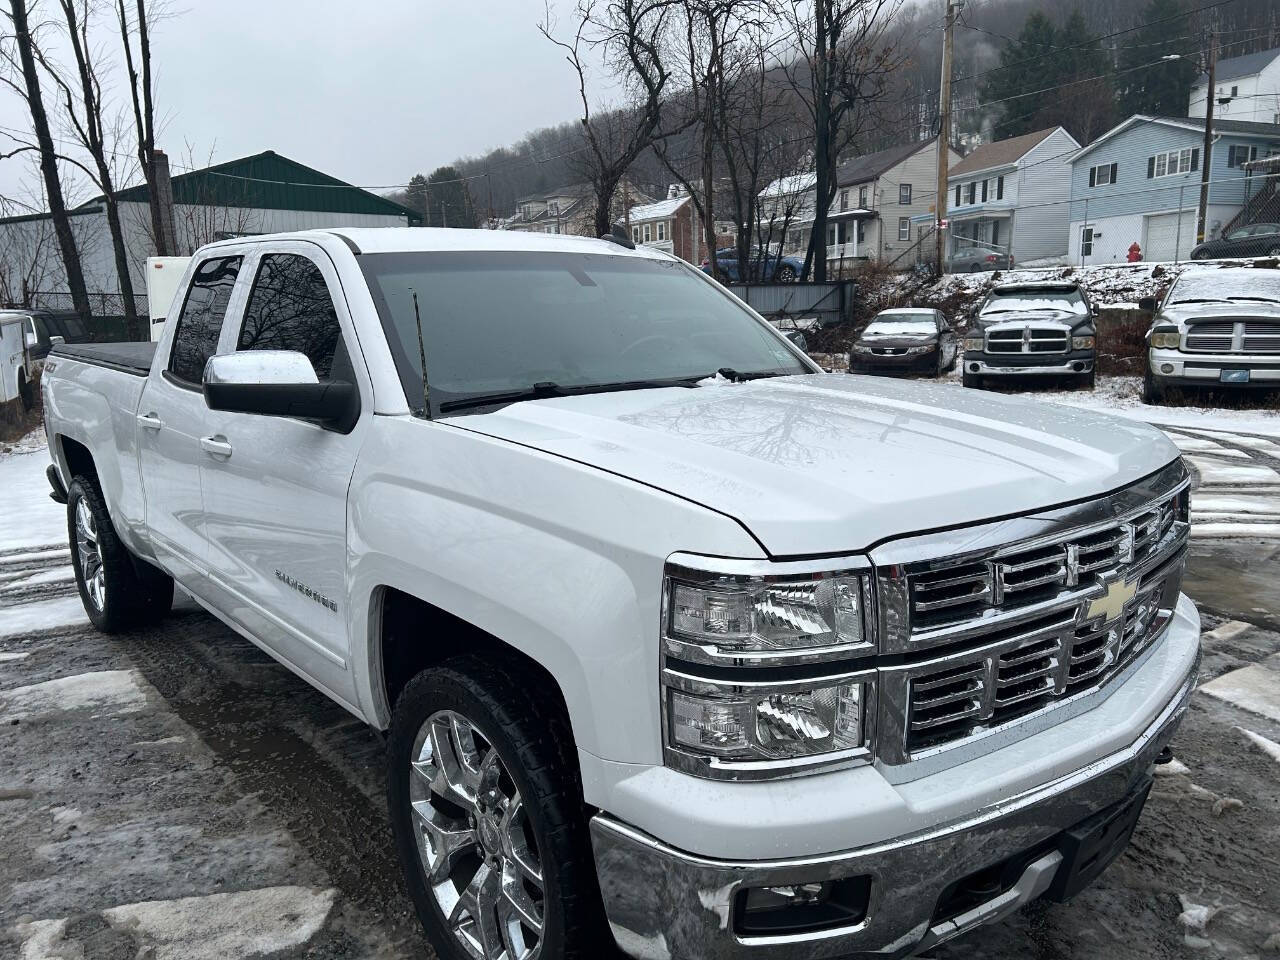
[{"x": 559, "y": 560}]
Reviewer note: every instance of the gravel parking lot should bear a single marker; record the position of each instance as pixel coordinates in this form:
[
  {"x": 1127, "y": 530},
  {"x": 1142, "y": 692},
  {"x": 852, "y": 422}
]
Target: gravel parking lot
[{"x": 175, "y": 793}]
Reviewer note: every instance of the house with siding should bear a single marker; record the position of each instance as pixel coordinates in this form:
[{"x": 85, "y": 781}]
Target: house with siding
[
  {"x": 671, "y": 225},
  {"x": 1245, "y": 88},
  {"x": 881, "y": 199},
  {"x": 1140, "y": 183},
  {"x": 1012, "y": 196},
  {"x": 264, "y": 193},
  {"x": 570, "y": 209}
]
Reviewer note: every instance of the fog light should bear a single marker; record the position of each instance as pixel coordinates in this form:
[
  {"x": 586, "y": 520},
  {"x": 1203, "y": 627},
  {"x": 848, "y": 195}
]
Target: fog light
[
  {"x": 803, "y": 907},
  {"x": 1166, "y": 368},
  {"x": 974, "y": 368}
]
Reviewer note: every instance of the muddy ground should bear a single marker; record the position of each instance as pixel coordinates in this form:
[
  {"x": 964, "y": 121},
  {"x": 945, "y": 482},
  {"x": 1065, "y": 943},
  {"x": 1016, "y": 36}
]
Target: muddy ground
[{"x": 212, "y": 769}]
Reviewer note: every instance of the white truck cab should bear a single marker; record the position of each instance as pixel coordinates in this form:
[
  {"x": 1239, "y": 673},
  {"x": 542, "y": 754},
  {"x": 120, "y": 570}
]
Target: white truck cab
[{"x": 680, "y": 643}]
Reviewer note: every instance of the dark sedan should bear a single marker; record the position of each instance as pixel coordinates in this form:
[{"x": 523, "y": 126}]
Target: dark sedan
[
  {"x": 771, "y": 269},
  {"x": 903, "y": 341},
  {"x": 1254, "y": 240}
]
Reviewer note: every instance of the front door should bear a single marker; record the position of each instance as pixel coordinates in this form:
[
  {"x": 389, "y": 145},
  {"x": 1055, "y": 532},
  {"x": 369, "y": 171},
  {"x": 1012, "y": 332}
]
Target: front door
[
  {"x": 275, "y": 488},
  {"x": 171, "y": 422}
]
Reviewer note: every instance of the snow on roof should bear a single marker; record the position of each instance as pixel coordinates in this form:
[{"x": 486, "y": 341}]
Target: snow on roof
[
  {"x": 787, "y": 186},
  {"x": 658, "y": 211}
]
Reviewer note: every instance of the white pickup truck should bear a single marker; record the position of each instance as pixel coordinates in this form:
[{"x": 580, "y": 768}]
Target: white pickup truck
[{"x": 677, "y": 640}]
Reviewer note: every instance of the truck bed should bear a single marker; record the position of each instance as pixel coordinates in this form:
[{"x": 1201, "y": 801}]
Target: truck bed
[{"x": 132, "y": 358}]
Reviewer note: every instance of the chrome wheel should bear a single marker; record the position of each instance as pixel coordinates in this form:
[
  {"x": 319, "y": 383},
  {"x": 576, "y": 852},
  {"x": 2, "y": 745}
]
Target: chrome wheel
[
  {"x": 95, "y": 581},
  {"x": 475, "y": 841}
]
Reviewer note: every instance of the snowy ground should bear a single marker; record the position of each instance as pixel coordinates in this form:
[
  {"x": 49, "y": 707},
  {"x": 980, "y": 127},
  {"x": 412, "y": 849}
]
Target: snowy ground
[{"x": 156, "y": 800}]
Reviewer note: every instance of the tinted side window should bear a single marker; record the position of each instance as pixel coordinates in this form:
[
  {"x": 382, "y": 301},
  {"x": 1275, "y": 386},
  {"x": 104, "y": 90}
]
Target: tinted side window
[
  {"x": 200, "y": 322},
  {"x": 290, "y": 309}
]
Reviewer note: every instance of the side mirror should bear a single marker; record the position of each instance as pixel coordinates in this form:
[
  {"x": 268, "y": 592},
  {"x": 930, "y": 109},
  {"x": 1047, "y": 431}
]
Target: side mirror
[
  {"x": 278, "y": 383},
  {"x": 1095, "y": 310},
  {"x": 30, "y": 339},
  {"x": 1148, "y": 304},
  {"x": 57, "y": 341}
]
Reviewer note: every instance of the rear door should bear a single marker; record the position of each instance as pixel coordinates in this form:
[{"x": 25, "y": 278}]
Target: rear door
[
  {"x": 171, "y": 422},
  {"x": 275, "y": 493}
]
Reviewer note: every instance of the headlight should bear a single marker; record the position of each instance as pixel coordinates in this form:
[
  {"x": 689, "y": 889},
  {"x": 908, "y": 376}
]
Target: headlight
[
  {"x": 757, "y": 677},
  {"x": 973, "y": 343},
  {"x": 859, "y": 348},
  {"x": 745, "y": 615},
  {"x": 1082, "y": 343},
  {"x": 770, "y": 726},
  {"x": 1165, "y": 341},
  {"x": 927, "y": 348}
]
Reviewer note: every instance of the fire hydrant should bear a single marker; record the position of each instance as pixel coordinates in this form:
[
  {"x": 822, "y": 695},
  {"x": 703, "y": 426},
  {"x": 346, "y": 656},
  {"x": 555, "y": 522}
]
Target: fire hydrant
[{"x": 1135, "y": 252}]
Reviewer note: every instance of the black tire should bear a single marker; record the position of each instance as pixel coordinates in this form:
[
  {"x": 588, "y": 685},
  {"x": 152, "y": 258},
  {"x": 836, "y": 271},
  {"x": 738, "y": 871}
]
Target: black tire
[
  {"x": 785, "y": 274},
  {"x": 131, "y": 592},
  {"x": 971, "y": 379},
  {"x": 533, "y": 740},
  {"x": 24, "y": 392},
  {"x": 975, "y": 269},
  {"x": 1274, "y": 252},
  {"x": 1087, "y": 381},
  {"x": 1152, "y": 392}
]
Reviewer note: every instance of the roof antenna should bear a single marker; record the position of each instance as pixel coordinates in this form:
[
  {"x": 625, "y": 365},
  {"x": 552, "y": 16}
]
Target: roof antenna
[
  {"x": 422, "y": 357},
  {"x": 619, "y": 236}
]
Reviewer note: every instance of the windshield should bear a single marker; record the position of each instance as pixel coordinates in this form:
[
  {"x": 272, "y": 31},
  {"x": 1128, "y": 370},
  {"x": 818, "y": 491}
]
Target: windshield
[
  {"x": 1209, "y": 285},
  {"x": 1069, "y": 301},
  {"x": 896, "y": 324},
  {"x": 495, "y": 323}
]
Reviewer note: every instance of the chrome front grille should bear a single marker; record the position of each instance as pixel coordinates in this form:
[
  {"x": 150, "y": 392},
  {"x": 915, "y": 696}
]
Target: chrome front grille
[
  {"x": 1209, "y": 338},
  {"x": 1043, "y": 661},
  {"x": 1029, "y": 340},
  {"x": 1019, "y": 577},
  {"x": 1000, "y": 634},
  {"x": 1240, "y": 336}
]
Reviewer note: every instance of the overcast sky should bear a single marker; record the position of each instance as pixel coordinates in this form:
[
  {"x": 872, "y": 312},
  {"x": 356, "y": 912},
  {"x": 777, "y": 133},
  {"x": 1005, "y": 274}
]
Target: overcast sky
[{"x": 369, "y": 92}]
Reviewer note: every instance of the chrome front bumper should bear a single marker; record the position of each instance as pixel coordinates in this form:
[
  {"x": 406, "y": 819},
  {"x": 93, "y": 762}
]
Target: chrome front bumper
[
  {"x": 666, "y": 904},
  {"x": 1173, "y": 367},
  {"x": 1064, "y": 369}
]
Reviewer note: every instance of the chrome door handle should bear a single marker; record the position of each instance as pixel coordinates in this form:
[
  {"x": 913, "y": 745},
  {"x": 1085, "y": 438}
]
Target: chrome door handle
[
  {"x": 149, "y": 421},
  {"x": 217, "y": 446}
]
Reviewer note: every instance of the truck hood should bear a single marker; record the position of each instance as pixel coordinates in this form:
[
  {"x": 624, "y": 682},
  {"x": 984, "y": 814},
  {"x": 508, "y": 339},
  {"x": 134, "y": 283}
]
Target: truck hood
[
  {"x": 1041, "y": 318},
  {"x": 832, "y": 463},
  {"x": 1192, "y": 313}
]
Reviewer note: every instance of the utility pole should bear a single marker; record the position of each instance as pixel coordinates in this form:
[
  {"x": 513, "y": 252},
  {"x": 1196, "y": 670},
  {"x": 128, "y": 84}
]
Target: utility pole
[
  {"x": 944, "y": 129},
  {"x": 1211, "y": 96}
]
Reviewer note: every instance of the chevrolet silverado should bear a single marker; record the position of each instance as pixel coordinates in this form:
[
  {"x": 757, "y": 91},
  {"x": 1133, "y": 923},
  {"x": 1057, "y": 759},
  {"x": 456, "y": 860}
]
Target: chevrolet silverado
[{"x": 678, "y": 642}]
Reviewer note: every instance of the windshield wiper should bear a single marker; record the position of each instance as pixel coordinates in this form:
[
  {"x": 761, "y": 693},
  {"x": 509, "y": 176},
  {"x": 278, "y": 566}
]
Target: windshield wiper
[
  {"x": 1198, "y": 300},
  {"x": 546, "y": 388},
  {"x": 731, "y": 374},
  {"x": 1259, "y": 299}
]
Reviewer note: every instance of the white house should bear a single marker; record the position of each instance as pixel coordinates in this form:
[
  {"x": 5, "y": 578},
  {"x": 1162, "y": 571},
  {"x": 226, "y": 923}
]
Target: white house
[
  {"x": 880, "y": 199},
  {"x": 1013, "y": 195},
  {"x": 1247, "y": 88}
]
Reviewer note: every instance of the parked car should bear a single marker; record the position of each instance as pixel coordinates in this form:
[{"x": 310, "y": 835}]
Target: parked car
[
  {"x": 905, "y": 340},
  {"x": 768, "y": 269},
  {"x": 978, "y": 259},
  {"x": 1215, "y": 327},
  {"x": 1254, "y": 240},
  {"x": 678, "y": 642},
  {"x": 1038, "y": 329}
]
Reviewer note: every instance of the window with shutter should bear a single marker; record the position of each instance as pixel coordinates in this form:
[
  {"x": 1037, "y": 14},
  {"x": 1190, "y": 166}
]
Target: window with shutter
[
  {"x": 984, "y": 191},
  {"x": 1000, "y": 188},
  {"x": 957, "y": 194},
  {"x": 1151, "y": 167}
]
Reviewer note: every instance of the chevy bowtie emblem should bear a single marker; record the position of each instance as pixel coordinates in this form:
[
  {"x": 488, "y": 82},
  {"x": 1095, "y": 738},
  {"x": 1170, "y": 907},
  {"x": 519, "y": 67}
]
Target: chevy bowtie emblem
[{"x": 1111, "y": 604}]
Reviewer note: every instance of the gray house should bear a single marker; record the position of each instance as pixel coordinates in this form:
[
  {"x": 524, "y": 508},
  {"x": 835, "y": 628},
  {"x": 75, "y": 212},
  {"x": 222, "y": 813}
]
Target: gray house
[
  {"x": 1011, "y": 196},
  {"x": 1140, "y": 183}
]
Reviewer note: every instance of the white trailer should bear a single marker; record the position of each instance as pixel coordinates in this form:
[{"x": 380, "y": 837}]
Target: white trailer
[{"x": 164, "y": 274}]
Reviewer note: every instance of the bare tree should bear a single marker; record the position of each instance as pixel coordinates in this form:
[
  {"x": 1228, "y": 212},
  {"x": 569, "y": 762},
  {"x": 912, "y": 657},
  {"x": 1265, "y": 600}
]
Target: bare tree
[
  {"x": 87, "y": 122},
  {"x": 840, "y": 76},
  {"x": 713, "y": 48},
  {"x": 629, "y": 36},
  {"x": 141, "y": 95},
  {"x": 29, "y": 90}
]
